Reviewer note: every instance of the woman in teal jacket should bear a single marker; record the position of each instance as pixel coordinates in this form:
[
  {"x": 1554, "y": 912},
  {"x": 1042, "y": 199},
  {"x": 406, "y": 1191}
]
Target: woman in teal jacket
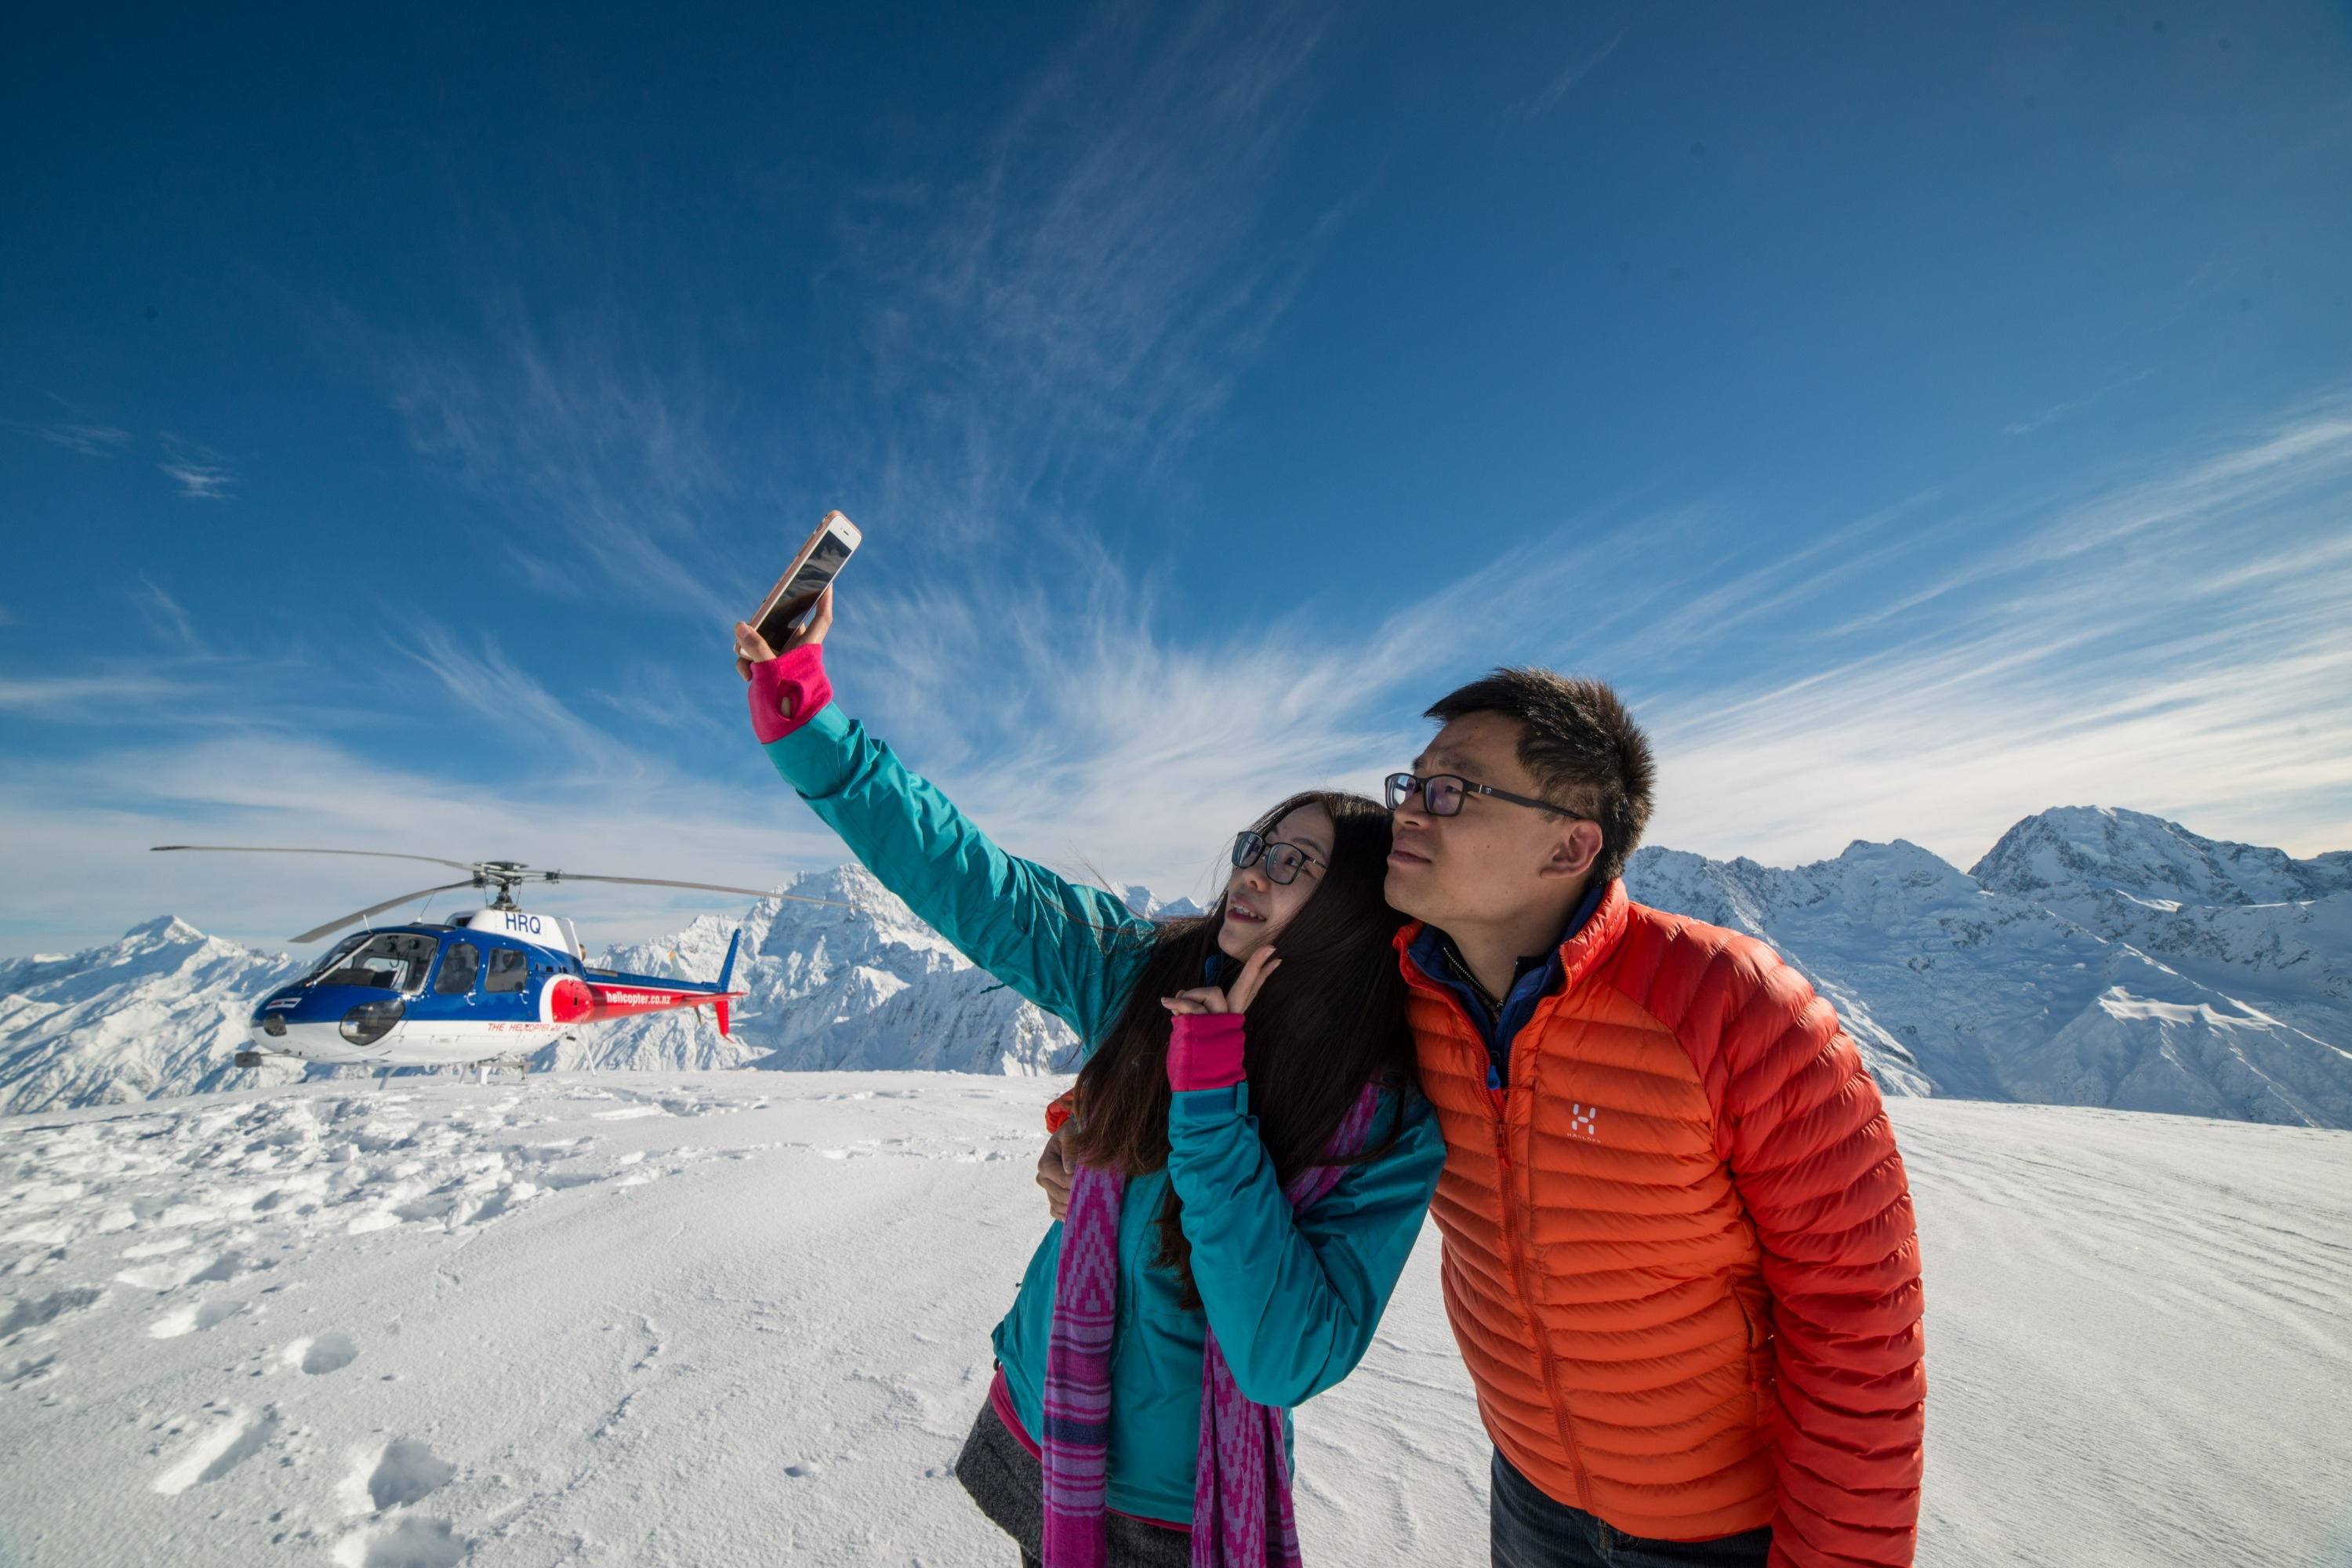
[{"x": 1208, "y": 1134}]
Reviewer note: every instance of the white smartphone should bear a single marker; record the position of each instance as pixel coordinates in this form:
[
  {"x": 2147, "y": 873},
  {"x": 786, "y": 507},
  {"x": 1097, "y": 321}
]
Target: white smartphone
[{"x": 828, "y": 549}]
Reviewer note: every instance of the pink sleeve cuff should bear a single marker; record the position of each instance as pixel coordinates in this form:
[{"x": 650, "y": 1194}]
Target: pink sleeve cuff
[
  {"x": 788, "y": 690},
  {"x": 1205, "y": 1051}
]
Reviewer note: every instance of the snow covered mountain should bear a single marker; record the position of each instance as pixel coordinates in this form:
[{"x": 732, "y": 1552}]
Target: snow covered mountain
[
  {"x": 159, "y": 1012},
  {"x": 2248, "y": 920},
  {"x": 867, "y": 986},
  {"x": 2092, "y": 957}
]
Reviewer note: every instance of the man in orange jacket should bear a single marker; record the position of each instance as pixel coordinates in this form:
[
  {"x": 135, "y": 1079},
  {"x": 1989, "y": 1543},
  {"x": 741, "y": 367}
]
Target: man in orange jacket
[{"x": 1679, "y": 1251}]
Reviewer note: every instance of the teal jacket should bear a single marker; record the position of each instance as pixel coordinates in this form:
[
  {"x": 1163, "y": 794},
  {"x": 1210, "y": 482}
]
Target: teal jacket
[{"x": 1295, "y": 1298}]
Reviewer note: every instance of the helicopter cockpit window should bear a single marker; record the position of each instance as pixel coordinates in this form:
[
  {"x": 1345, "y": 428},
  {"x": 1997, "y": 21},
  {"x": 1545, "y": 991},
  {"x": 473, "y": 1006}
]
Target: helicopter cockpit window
[
  {"x": 459, "y": 964},
  {"x": 337, "y": 953},
  {"x": 389, "y": 961},
  {"x": 509, "y": 969}
]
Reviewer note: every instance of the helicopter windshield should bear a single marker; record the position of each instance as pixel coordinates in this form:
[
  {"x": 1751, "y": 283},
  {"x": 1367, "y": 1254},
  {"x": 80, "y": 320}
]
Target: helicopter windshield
[{"x": 389, "y": 961}]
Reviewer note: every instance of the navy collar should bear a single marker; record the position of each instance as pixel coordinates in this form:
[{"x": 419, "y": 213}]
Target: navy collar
[{"x": 1499, "y": 1020}]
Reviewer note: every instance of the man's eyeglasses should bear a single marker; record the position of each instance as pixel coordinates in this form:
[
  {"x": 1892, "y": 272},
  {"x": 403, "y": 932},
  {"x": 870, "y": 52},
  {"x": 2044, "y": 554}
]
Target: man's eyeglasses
[
  {"x": 1283, "y": 861},
  {"x": 1441, "y": 795}
]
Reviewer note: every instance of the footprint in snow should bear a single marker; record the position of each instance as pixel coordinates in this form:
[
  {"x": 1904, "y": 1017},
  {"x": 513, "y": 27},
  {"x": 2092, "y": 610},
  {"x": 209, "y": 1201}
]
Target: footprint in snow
[
  {"x": 220, "y": 1450},
  {"x": 197, "y": 1268},
  {"x": 401, "y": 1473},
  {"x": 406, "y": 1542},
  {"x": 329, "y": 1351},
  {"x": 33, "y": 1311},
  {"x": 192, "y": 1317}
]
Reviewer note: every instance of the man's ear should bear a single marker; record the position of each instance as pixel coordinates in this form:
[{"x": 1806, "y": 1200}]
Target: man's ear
[{"x": 1576, "y": 850}]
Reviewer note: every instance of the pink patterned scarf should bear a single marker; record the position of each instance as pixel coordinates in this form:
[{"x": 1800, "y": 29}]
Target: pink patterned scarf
[{"x": 1240, "y": 1466}]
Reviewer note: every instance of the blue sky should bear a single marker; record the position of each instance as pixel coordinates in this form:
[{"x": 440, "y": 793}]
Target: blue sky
[{"x": 1926, "y": 417}]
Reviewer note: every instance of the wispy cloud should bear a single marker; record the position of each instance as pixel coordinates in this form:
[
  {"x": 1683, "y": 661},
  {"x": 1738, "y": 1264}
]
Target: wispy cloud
[
  {"x": 201, "y": 473},
  {"x": 89, "y": 440},
  {"x": 170, "y": 619},
  {"x": 1086, "y": 294},
  {"x": 650, "y": 696},
  {"x": 90, "y": 695},
  {"x": 1070, "y": 300},
  {"x": 2071, "y": 405},
  {"x": 606, "y": 456},
  {"x": 1586, "y": 62},
  {"x": 489, "y": 685},
  {"x": 2175, "y": 643}
]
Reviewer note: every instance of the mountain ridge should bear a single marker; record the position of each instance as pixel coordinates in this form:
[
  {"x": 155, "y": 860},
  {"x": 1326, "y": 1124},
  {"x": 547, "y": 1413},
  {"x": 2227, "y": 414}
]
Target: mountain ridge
[{"x": 2094, "y": 956}]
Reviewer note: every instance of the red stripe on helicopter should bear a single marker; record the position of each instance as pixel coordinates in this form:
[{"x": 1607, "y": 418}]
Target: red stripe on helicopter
[{"x": 573, "y": 1000}]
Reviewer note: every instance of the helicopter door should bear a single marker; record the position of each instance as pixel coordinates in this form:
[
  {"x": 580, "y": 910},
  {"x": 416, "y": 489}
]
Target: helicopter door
[
  {"x": 505, "y": 985},
  {"x": 509, "y": 971},
  {"x": 461, "y": 963}
]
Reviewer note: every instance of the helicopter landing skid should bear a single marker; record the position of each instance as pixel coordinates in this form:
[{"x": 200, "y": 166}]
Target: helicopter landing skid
[{"x": 521, "y": 1064}]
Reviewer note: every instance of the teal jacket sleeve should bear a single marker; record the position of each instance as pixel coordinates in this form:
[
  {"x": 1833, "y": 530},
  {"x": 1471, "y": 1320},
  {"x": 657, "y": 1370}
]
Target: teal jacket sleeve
[
  {"x": 1295, "y": 1298},
  {"x": 1072, "y": 950}
]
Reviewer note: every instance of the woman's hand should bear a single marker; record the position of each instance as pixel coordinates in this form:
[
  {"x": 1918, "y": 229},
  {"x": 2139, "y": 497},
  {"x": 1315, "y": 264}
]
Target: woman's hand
[
  {"x": 1055, "y": 1174},
  {"x": 1244, "y": 991},
  {"x": 752, "y": 649}
]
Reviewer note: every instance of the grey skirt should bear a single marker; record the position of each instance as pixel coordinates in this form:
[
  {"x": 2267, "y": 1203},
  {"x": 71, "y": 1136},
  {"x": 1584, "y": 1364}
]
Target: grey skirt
[{"x": 1009, "y": 1485}]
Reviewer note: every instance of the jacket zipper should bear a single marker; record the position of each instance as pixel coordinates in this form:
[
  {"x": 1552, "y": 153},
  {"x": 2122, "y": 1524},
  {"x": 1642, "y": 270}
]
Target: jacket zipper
[{"x": 1516, "y": 1253}]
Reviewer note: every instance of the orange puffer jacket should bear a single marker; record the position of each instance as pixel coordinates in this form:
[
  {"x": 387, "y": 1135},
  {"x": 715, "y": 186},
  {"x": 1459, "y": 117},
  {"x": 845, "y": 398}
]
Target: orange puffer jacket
[{"x": 1680, "y": 1257}]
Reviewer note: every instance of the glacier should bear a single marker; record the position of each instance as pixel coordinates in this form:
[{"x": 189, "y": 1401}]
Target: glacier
[{"x": 2093, "y": 957}]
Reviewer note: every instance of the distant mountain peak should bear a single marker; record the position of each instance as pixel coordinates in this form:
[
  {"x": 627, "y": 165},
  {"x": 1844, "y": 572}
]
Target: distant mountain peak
[
  {"x": 2073, "y": 852},
  {"x": 165, "y": 928}
]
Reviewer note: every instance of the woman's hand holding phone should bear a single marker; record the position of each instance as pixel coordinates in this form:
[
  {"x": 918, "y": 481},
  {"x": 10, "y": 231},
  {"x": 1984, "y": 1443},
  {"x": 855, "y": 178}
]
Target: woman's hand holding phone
[{"x": 752, "y": 649}]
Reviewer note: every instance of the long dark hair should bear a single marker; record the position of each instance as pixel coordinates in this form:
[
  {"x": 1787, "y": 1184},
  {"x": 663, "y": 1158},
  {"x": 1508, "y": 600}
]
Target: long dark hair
[{"x": 1330, "y": 1020}]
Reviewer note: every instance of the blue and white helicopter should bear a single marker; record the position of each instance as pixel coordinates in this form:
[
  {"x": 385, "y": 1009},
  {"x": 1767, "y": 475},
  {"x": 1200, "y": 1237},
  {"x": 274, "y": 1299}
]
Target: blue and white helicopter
[{"x": 484, "y": 991}]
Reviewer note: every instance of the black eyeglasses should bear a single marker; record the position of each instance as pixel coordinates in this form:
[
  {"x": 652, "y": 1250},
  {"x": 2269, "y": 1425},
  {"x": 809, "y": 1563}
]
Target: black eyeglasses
[
  {"x": 1441, "y": 795},
  {"x": 1283, "y": 861}
]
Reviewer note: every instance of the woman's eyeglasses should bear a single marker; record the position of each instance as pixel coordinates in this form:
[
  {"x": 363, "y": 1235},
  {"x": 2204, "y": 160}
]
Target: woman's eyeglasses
[
  {"x": 1283, "y": 861},
  {"x": 1441, "y": 795}
]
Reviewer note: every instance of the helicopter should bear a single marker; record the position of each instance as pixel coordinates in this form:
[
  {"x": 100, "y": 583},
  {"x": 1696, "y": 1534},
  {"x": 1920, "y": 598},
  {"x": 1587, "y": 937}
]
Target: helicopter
[{"x": 485, "y": 991}]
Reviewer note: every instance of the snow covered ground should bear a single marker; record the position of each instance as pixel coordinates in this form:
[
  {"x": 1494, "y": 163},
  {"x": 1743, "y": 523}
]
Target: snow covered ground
[{"x": 721, "y": 1318}]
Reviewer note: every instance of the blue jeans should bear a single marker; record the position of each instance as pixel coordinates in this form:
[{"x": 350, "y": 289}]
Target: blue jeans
[{"x": 1531, "y": 1530}]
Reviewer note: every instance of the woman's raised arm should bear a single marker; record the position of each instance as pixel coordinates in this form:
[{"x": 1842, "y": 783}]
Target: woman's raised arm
[{"x": 1072, "y": 950}]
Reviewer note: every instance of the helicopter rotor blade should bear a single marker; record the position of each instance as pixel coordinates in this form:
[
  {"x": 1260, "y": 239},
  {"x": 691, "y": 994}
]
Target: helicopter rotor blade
[
  {"x": 336, "y": 925},
  {"x": 699, "y": 887},
  {"x": 279, "y": 849}
]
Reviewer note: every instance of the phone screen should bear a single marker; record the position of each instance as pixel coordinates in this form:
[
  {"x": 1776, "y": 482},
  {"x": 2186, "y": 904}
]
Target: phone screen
[
  {"x": 816, "y": 572},
  {"x": 824, "y": 563}
]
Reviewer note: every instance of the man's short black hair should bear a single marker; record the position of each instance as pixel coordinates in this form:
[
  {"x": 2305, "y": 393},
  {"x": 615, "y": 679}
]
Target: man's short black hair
[{"x": 1581, "y": 745}]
